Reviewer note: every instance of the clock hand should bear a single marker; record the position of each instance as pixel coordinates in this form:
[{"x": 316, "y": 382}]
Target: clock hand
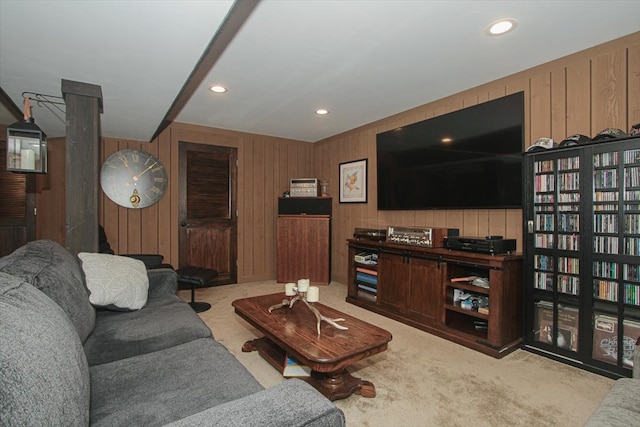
[{"x": 137, "y": 177}]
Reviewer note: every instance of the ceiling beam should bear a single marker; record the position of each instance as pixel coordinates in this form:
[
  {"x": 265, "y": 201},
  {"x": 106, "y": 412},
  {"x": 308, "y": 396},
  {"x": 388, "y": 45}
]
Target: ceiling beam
[{"x": 237, "y": 16}]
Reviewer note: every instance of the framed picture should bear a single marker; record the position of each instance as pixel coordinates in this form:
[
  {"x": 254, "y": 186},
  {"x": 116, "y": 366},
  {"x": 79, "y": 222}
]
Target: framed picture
[{"x": 353, "y": 181}]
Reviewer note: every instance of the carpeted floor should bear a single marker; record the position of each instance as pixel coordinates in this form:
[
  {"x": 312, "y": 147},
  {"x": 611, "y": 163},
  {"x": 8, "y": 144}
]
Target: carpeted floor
[{"x": 423, "y": 380}]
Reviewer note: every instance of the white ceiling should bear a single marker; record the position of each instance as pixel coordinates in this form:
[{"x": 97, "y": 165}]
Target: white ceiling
[{"x": 362, "y": 60}]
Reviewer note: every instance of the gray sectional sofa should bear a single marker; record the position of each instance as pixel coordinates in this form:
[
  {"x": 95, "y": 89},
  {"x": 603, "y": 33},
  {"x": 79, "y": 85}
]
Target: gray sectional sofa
[
  {"x": 620, "y": 407},
  {"x": 64, "y": 362}
]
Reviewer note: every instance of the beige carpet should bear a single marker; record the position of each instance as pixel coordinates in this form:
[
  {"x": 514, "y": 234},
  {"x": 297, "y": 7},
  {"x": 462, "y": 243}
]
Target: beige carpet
[{"x": 423, "y": 380}]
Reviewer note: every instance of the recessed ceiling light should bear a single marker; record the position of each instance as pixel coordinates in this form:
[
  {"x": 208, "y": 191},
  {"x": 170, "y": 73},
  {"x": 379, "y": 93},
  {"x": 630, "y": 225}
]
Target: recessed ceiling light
[
  {"x": 501, "y": 27},
  {"x": 218, "y": 89},
  {"x": 446, "y": 140},
  {"x": 322, "y": 112}
]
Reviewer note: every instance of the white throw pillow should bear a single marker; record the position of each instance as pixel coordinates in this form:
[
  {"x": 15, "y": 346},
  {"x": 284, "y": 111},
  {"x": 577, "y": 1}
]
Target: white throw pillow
[{"x": 114, "y": 281}]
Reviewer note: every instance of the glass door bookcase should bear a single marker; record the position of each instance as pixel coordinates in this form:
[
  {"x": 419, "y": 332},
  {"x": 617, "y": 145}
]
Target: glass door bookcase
[{"x": 582, "y": 254}]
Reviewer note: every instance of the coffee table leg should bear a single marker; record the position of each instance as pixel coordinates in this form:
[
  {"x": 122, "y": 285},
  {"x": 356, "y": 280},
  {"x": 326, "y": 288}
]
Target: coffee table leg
[
  {"x": 334, "y": 386},
  {"x": 250, "y": 346},
  {"x": 340, "y": 385}
]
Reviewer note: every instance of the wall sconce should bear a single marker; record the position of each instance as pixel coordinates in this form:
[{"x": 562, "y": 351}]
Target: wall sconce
[{"x": 26, "y": 145}]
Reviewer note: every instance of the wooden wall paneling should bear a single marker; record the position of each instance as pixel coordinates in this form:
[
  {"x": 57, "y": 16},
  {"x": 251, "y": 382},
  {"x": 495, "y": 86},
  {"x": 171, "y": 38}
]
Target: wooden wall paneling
[
  {"x": 258, "y": 209},
  {"x": 455, "y": 219},
  {"x": 270, "y": 211},
  {"x": 130, "y": 232},
  {"x": 340, "y": 217},
  {"x": 497, "y": 89},
  {"x": 520, "y": 83},
  {"x": 149, "y": 215},
  {"x": 513, "y": 227},
  {"x": 245, "y": 220},
  {"x": 134, "y": 230},
  {"x": 243, "y": 228},
  {"x": 122, "y": 242},
  {"x": 497, "y": 223},
  {"x": 174, "y": 146},
  {"x": 558, "y": 105},
  {"x": 470, "y": 99},
  {"x": 609, "y": 91},
  {"x": 578, "y": 98},
  {"x": 164, "y": 232},
  {"x": 108, "y": 216},
  {"x": 539, "y": 111},
  {"x": 633, "y": 75},
  {"x": 471, "y": 225},
  {"x": 280, "y": 169},
  {"x": 245, "y": 204},
  {"x": 483, "y": 222},
  {"x": 50, "y": 200}
]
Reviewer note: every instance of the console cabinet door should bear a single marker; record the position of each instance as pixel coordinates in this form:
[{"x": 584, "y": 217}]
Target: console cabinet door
[
  {"x": 410, "y": 286},
  {"x": 303, "y": 249},
  {"x": 425, "y": 290},
  {"x": 394, "y": 275}
]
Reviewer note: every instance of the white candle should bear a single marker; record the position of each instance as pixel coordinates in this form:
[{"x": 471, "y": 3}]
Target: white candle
[
  {"x": 27, "y": 159},
  {"x": 303, "y": 285},
  {"x": 289, "y": 289},
  {"x": 313, "y": 294}
]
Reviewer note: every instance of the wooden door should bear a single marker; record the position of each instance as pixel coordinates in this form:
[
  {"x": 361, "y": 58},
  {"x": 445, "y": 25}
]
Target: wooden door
[{"x": 207, "y": 208}]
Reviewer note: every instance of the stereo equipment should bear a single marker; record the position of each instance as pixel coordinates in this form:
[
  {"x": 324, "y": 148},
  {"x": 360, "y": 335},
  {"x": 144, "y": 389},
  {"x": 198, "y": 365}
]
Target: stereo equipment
[
  {"x": 487, "y": 245},
  {"x": 304, "y": 206},
  {"x": 370, "y": 234},
  {"x": 304, "y": 187},
  {"x": 425, "y": 237}
]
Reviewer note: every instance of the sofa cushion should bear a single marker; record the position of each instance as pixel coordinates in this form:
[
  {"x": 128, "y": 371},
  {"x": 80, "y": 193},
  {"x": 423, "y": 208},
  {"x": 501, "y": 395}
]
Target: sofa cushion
[
  {"x": 291, "y": 403},
  {"x": 115, "y": 281},
  {"x": 164, "y": 386},
  {"x": 43, "y": 370},
  {"x": 620, "y": 407},
  {"x": 52, "y": 269},
  {"x": 162, "y": 323}
]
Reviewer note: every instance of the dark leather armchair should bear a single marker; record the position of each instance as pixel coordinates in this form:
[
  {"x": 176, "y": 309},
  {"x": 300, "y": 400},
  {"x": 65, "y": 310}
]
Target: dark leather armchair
[
  {"x": 189, "y": 277},
  {"x": 151, "y": 261}
]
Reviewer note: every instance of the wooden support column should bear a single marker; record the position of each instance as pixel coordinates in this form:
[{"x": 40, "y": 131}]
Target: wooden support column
[{"x": 84, "y": 106}]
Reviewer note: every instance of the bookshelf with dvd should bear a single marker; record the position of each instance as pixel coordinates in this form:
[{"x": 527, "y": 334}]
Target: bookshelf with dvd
[{"x": 582, "y": 254}]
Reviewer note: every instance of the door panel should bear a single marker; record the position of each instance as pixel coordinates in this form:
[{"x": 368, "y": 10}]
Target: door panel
[
  {"x": 393, "y": 290},
  {"x": 426, "y": 280},
  {"x": 303, "y": 248},
  {"x": 207, "y": 209}
]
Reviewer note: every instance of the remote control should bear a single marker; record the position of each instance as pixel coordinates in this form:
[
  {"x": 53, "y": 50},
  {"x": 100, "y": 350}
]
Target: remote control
[{"x": 492, "y": 237}]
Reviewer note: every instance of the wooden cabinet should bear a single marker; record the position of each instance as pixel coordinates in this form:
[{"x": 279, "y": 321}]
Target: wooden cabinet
[
  {"x": 414, "y": 285},
  {"x": 303, "y": 248}
]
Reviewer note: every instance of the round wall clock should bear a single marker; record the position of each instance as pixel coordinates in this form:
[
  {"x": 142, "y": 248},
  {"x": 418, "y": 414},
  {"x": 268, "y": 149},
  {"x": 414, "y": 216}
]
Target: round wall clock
[{"x": 133, "y": 178}]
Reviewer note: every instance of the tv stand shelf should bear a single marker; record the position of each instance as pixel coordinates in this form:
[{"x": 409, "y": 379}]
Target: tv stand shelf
[{"x": 413, "y": 285}]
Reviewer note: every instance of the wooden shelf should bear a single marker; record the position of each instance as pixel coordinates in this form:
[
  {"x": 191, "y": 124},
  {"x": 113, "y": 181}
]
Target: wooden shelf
[
  {"x": 471, "y": 313},
  {"x": 469, "y": 287}
]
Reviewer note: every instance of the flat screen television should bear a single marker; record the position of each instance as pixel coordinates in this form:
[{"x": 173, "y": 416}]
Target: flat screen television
[{"x": 466, "y": 159}]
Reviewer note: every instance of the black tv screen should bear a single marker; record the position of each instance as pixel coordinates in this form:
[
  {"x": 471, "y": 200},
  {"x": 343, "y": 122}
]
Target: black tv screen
[{"x": 470, "y": 158}]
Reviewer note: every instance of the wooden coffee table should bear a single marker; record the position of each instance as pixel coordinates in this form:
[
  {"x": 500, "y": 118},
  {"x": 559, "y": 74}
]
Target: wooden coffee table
[{"x": 293, "y": 331}]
